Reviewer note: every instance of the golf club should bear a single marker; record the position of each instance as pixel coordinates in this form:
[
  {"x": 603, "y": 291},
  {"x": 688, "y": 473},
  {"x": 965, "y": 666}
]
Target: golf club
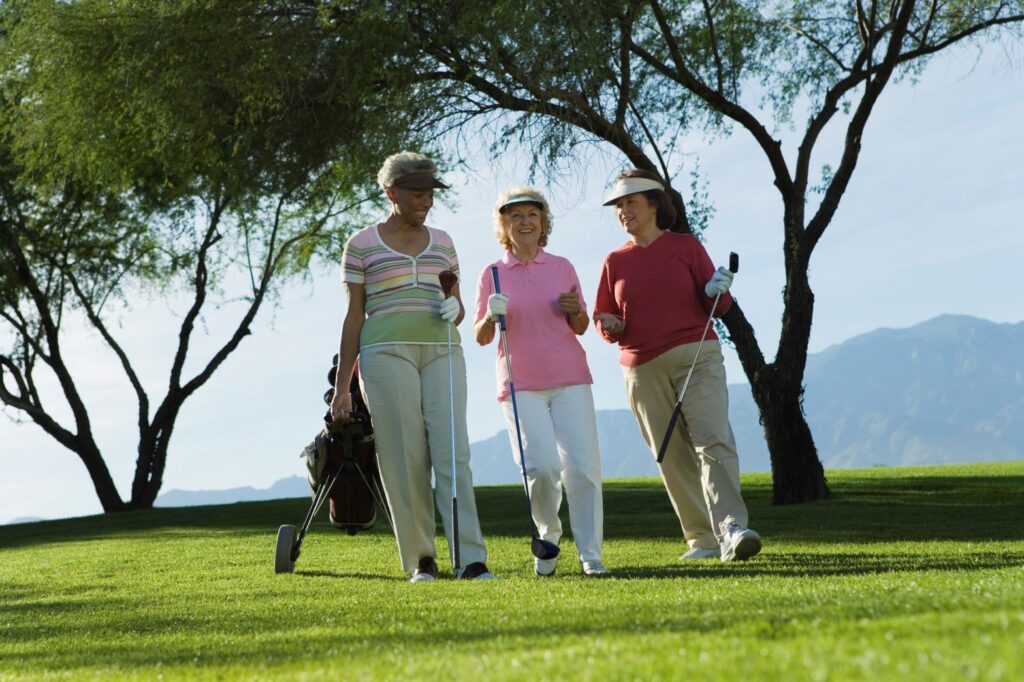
[
  {"x": 734, "y": 266},
  {"x": 542, "y": 549},
  {"x": 448, "y": 281}
]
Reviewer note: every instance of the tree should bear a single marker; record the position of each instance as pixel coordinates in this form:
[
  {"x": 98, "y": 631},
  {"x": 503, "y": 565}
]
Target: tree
[
  {"x": 201, "y": 149},
  {"x": 636, "y": 74}
]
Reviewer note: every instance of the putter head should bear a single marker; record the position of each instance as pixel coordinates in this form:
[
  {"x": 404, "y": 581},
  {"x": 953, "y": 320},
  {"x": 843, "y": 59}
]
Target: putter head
[{"x": 542, "y": 549}]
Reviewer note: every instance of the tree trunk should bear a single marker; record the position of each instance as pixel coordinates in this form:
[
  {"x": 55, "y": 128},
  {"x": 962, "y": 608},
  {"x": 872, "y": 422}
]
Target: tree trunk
[
  {"x": 102, "y": 482},
  {"x": 797, "y": 474},
  {"x": 777, "y": 388},
  {"x": 153, "y": 446}
]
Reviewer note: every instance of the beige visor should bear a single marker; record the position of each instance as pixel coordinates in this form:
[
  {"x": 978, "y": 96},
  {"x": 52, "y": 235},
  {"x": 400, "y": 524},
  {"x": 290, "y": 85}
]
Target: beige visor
[{"x": 631, "y": 186}]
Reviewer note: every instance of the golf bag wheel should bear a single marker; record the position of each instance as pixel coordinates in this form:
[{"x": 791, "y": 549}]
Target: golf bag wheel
[{"x": 283, "y": 561}]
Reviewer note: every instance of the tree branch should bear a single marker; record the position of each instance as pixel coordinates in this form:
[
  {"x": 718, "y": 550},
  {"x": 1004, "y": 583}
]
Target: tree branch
[
  {"x": 772, "y": 148},
  {"x": 710, "y": 19},
  {"x": 817, "y": 43},
  {"x": 126, "y": 364},
  {"x": 851, "y": 149},
  {"x": 210, "y": 237},
  {"x": 23, "y": 271},
  {"x": 625, "y": 32},
  {"x": 19, "y": 401}
]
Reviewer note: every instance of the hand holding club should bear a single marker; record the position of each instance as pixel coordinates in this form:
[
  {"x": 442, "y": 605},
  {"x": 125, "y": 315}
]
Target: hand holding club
[
  {"x": 497, "y": 304},
  {"x": 450, "y": 306},
  {"x": 449, "y": 309},
  {"x": 719, "y": 283}
]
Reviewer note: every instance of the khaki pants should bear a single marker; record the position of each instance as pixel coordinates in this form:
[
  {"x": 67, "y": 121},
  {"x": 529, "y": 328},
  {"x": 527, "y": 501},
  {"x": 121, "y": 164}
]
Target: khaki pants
[
  {"x": 406, "y": 389},
  {"x": 559, "y": 431},
  {"x": 700, "y": 470}
]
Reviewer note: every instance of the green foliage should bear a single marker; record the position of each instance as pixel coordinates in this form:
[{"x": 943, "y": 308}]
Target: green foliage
[
  {"x": 246, "y": 106},
  {"x": 905, "y": 574},
  {"x": 203, "y": 150}
]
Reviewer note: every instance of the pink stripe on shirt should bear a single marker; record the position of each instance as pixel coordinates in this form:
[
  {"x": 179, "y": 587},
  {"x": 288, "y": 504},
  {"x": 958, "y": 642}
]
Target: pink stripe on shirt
[{"x": 545, "y": 351}]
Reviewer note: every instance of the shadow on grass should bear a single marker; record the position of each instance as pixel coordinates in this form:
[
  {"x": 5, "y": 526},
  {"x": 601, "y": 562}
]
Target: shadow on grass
[
  {"x": 866, "y": 508},
  {"x": 832, "y": 564},
  {"x": 304, "y": 573}
]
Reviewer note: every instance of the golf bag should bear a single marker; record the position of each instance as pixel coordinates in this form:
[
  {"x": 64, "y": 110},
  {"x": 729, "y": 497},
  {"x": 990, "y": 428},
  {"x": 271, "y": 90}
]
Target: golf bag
[
  {"x": 343, "y": 457},
  {"x": 341, "y": 466}
]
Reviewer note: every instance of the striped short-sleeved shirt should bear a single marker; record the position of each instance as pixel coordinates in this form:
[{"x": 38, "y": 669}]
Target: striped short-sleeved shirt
[{"x": 403, "y": 292}]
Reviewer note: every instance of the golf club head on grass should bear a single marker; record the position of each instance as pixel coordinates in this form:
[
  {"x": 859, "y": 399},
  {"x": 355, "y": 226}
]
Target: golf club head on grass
[{"x": 542, "y": 549}]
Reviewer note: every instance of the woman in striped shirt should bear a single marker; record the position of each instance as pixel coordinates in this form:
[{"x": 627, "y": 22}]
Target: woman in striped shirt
[{"x": 397, "y": 328}]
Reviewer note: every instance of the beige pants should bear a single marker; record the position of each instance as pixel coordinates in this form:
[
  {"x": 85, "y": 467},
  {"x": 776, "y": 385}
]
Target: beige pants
[
  {"x": 700, "y": 470},
  {"x": 406, "y": 389}
]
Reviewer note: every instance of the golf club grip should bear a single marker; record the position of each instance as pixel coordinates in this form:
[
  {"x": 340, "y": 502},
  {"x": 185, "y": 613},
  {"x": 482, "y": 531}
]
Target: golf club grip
[
  {"x": 734, "y": 262},
  {"x": 668, "y": 432},
  {"x": 497, "y": 290},
  {"x": 455, "y": 530}
]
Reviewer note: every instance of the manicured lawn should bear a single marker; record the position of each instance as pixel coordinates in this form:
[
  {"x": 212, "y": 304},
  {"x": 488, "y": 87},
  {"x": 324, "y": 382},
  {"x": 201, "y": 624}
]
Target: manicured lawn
[{"x": 910, "y": 574}]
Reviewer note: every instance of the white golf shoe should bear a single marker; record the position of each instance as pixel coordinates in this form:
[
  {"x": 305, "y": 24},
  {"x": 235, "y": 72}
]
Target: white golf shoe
[
  {"x": 594, "y": 567},
  {"x": 738, "y": 543},
  {"x": 695, "y": 553}
]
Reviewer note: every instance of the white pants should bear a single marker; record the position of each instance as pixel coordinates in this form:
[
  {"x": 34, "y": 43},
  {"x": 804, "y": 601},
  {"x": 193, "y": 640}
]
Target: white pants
[
  {"x": 406, "y": 389},
  {"x": 559, "y": 431}
]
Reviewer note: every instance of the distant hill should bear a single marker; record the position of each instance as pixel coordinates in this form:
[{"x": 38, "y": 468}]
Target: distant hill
[
  {"x": 949, "y": 390},
  {"x": 25, "y": 519},
  {"x": 946, "y": 391},
  {"x": 295, "y": 486}
]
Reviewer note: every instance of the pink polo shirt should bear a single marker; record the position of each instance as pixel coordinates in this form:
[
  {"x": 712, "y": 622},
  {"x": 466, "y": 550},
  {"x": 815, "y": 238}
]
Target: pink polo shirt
[{"x": 545, "y": 351}]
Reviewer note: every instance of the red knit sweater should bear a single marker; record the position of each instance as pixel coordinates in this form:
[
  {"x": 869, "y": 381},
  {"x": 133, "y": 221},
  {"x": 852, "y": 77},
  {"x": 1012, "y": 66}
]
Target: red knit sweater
[{"x": 658, "y": 290}]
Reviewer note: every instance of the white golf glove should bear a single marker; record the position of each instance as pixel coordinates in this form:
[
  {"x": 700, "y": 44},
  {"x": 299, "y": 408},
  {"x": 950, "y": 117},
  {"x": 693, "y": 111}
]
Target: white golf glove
[
  {"x": 719, "y": 283},
  {"x": 497, "y": 304},
  {"x": 449, "y": 309}
]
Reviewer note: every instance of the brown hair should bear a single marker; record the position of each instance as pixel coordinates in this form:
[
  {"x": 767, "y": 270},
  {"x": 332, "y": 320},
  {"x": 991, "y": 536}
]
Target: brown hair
[{"x": 657, "y": 197}]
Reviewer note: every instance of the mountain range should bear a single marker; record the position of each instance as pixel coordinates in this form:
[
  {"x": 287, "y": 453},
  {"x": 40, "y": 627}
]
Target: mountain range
[{"x": 949, "y": 390}]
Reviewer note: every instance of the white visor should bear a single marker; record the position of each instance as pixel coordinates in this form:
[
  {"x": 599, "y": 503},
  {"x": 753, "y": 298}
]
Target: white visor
[{"x": 631, "y": 186}]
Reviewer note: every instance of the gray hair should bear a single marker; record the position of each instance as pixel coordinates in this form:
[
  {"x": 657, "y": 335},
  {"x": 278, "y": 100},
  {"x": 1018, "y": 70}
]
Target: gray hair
[{"x": 401, "y": 164}]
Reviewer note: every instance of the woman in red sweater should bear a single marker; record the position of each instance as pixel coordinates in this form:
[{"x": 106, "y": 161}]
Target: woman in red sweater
[{"x": 654, "y": 299}]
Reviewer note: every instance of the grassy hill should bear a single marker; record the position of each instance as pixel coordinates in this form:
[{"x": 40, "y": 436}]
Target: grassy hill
[{"x": 907, "y": 574}]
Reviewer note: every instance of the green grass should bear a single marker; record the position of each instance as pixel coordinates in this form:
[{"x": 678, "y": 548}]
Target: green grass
[{"x": 910, "y": 574}]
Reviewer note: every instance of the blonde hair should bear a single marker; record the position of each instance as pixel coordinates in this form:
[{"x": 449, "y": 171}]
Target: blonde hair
[
  {"x": 401, "y": 164},
  {"x": 501, "y": 229}
]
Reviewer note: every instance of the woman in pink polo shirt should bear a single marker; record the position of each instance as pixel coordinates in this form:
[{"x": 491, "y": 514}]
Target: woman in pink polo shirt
[
  {"x": 544, "y": 312},
  {"x": 654, "y": 299}
]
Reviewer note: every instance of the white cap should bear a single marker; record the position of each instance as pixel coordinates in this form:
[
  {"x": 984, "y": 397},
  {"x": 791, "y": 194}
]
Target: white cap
[{"x": 631, "y": 186}]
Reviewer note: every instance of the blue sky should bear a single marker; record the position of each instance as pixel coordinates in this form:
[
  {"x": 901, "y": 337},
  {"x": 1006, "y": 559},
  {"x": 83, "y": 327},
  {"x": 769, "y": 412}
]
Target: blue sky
[{"x": 932, "y": 223}]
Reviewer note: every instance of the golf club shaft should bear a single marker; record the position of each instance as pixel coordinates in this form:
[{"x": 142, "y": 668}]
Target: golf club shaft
[
  {"x": 679, "y": 402},
  {"x": 451, "y": 414},
  {"x": 448, "y": 281},
  {"x": 734, "y": 267},
  {"x": 515, "y": 407}
]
